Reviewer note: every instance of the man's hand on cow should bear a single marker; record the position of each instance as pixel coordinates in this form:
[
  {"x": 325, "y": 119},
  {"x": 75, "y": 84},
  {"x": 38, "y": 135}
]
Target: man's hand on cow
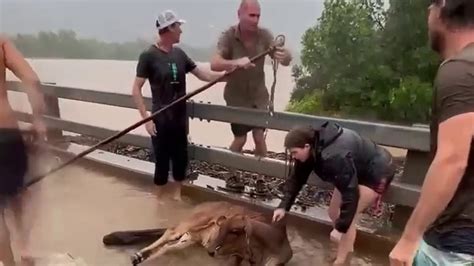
[{"x": 278, "y": 214}]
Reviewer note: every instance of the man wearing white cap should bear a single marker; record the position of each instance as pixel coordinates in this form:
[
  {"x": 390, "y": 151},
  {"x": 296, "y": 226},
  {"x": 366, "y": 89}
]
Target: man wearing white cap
[{"x": 165, "y": 66}]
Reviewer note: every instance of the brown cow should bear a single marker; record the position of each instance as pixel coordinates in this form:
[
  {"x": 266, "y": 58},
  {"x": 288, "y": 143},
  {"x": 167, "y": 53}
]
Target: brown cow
[
  {"x": 198, "y": 228},
  {"x": 258, "y": 242}
]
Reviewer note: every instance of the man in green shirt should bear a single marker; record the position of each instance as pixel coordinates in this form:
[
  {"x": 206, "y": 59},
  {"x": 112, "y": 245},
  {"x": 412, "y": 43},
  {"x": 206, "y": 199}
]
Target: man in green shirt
[
  {"x": 246, "y": 88},
  {"x": 441, "y": 229}
]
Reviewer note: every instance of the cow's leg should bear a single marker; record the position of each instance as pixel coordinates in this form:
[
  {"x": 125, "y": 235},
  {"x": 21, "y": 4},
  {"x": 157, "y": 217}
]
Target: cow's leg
[
  {"x": 146, "y": 252},
  {"x": 183, "y": 242}
]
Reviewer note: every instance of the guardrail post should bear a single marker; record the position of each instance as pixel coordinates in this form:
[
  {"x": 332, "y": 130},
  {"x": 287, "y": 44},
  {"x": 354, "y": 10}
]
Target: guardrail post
[
  {"x": 414, "y": 171},
  {"x": 52, "y": 109}
]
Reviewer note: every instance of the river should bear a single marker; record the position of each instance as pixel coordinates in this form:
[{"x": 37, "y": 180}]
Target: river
[{"x": 117, "y": 76}]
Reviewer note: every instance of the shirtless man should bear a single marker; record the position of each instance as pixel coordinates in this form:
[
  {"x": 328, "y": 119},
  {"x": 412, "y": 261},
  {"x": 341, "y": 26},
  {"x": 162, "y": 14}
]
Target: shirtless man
[{"x": 13, "y": 157}]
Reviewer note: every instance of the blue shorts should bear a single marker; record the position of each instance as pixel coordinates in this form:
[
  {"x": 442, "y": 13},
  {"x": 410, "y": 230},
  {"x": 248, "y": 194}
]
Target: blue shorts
[{"x": 430, "y": 256}]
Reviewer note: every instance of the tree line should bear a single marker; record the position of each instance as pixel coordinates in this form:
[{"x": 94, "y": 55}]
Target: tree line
[
  {"x": 362, "y": 60},
  {"x": 66, "y": 44}
]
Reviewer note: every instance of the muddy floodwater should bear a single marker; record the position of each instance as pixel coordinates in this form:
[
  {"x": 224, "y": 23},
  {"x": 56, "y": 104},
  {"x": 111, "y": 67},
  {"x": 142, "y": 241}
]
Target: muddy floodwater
[{"x": 77, "y": 206}]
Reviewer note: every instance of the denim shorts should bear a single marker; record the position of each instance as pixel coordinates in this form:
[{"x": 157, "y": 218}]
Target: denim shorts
[{"x": 430, "y": 256}]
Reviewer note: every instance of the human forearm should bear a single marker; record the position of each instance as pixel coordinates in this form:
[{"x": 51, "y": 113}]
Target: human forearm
[
  {"x": 292, "y": 189},
  {"x": 441, "y": 182},
  {"x": 35, "y": 97},
  {"x": 220, "y": 64},
  {"x": 206, "y": 74},
  {"x": 295, "y": 183},
  {"x": 139, "y": 102}
]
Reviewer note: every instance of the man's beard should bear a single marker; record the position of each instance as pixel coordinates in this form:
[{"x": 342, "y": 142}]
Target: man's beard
[{"x": 436, "y": 41}]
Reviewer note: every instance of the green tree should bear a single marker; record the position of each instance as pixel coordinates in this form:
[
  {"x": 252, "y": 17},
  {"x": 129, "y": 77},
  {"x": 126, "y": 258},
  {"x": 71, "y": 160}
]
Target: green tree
[{"x": 367, "y": 61}]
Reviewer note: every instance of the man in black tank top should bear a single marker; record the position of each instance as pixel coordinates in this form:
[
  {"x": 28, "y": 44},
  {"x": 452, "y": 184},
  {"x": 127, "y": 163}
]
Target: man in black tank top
[
  {"x": 441, "y": 229},
  {"x": 360, "y": 170}
]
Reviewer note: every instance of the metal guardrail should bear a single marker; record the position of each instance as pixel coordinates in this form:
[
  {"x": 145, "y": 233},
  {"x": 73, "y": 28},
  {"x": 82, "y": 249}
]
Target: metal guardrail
[
  {"x": 410, "y": 138},
  {"x": 403, "y": 192}
]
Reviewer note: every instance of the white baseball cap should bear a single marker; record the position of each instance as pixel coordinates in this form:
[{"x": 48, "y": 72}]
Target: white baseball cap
[{"x": 167, "y": 18}]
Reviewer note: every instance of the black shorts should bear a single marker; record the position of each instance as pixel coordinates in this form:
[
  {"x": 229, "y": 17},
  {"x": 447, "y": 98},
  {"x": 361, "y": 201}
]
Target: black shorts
[
  {"x": 380, "y": 173},
  {"x": 240, "y": 130},
  {"x": 13, "y": 161},
  {"x": 170, "y": 146}
]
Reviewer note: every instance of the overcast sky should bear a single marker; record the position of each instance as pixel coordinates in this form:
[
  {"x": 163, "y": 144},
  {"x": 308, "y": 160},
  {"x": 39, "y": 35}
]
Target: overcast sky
[{"x": 122, "y": 20}]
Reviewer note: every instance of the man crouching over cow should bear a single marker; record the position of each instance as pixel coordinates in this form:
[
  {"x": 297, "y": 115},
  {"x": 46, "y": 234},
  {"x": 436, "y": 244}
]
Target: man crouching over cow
[{"x": 360, "y": 170}]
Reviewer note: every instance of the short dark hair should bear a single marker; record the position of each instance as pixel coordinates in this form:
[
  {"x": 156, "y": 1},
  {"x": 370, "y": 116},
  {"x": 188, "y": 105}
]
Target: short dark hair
[
  {"x": 456, "y": 13},
  {"x": 163, "y": 31},
  {"x": 299, "y": 136}
]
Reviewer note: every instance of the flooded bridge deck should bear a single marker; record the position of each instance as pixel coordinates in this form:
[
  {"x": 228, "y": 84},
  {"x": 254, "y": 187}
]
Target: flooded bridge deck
[{"x": 77, "y": 206}]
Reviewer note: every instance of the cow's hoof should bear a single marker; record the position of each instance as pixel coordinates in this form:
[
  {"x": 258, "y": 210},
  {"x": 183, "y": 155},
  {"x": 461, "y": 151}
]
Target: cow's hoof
[{"x": 137, "y": 258}]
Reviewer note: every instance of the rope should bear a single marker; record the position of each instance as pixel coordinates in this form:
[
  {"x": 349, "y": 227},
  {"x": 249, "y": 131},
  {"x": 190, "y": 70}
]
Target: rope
[{"x": 280, "y": 41}]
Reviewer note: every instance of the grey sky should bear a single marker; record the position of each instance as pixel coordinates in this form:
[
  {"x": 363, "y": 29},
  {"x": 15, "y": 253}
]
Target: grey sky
[{"x": 122, "y": 20}]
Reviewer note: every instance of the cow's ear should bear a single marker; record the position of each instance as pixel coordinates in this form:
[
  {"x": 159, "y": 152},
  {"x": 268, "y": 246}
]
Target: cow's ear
[{"x": 221, "y": 220}]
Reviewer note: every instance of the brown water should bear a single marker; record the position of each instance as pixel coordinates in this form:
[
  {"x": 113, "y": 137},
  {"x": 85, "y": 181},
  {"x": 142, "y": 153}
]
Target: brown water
[
  {"x": 78, "y": 206},
  {"x": 117, "y": 76}
]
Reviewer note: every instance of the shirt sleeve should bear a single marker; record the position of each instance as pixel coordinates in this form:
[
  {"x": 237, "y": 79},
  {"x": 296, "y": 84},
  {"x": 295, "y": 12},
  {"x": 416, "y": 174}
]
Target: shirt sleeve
[
  {"x": 342, "y": 167},
  {"x": 224, "y": 45},
  {"x": 143, "y": 66},
  {"x": 455, "y": 90},
  {"x": 189, "y": 64},
  {"x": 295, "y": 182}
]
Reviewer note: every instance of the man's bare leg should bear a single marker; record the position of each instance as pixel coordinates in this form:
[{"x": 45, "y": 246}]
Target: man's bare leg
[
  {"x": 25, "y": 208},
  {"x": 238, "y": 143},
  {"x": 260, "y": 144},
  {"x": 175, "y": 189},
  {"x": 346, "y": 244},
  {"x": 6, "y": 252},
  {"x": 160, "y": 193}
]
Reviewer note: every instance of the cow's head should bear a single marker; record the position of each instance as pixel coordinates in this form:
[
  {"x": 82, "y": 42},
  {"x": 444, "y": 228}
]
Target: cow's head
[{"x": 231, "y": 236}]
